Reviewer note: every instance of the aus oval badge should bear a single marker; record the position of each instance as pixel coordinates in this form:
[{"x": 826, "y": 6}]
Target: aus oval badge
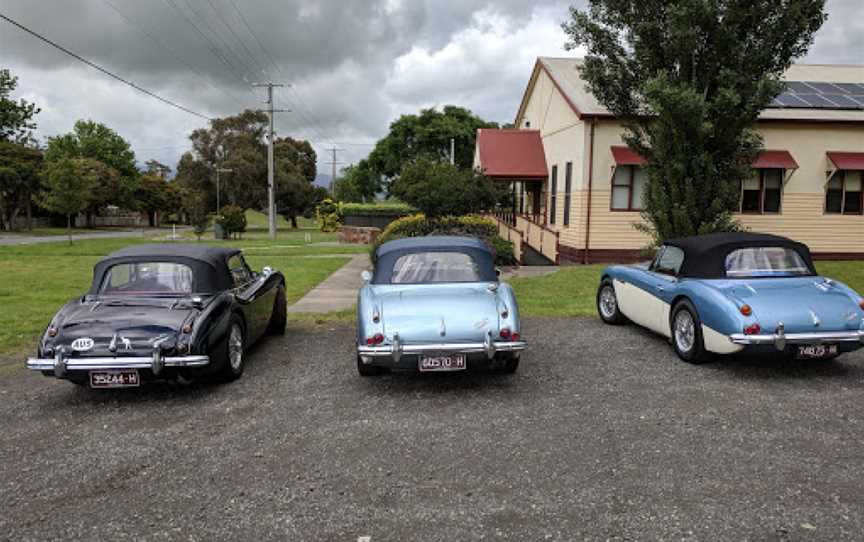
[{"x": 83, "y": 344}]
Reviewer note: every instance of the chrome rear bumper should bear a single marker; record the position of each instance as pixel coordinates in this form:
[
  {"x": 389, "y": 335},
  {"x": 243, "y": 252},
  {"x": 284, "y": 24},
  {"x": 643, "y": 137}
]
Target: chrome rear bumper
[
  {"x": 396, "y": 349},
  {"x": 60, "y": 364},
  {"x": 780, "y": 338}
]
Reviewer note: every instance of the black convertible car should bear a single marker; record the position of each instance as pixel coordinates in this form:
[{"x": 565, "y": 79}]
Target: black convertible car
[{"x": 163, "y": 311}]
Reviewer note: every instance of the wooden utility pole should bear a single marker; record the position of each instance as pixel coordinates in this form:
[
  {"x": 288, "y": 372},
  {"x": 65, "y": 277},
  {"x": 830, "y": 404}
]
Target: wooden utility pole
[{"x": 271, "y": 187}]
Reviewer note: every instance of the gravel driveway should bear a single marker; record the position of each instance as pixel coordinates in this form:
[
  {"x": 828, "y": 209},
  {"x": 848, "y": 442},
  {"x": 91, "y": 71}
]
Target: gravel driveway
[{"x": 602, "y": 434}]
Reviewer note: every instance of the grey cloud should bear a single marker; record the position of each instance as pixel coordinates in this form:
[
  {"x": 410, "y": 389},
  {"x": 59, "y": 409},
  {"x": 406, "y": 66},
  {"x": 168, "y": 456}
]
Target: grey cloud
[{"x": 355, "y": 65}]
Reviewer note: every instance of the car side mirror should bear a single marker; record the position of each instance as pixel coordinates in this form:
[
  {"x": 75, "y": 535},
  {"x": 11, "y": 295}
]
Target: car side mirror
[{"x": 366, "y": 275}]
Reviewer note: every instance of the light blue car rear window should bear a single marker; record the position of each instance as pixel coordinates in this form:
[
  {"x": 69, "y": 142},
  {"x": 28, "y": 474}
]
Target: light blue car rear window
[
  {"x": 765, "y": 262},
  {"x": 432, "y": 267}
]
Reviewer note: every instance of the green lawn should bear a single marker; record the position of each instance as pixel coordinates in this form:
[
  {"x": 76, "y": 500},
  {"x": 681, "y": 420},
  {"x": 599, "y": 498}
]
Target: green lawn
[
  {"x": 39, "y": 279},
  {"x": 256, "y": 220}
]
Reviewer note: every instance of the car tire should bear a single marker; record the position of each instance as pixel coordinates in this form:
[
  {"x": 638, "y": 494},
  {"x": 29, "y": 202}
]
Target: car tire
[
  {"x": 226, "y": 355},
  {"x": 607, "y": 304},
  {"x": 279, "y": 316},
  {"x": 369, "y": 370},
  {"x": 508, "y": 364},
  {"x": 686, "y": 333}
]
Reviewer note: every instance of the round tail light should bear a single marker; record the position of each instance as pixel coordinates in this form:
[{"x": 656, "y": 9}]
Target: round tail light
[
  {"x": 746, "y": 310},
  {"x": 52, "y": 332},
  {"x": 505, "y": 333},
  {"x": 861, "y": 304},
  {"x": 515, "y": 336}
]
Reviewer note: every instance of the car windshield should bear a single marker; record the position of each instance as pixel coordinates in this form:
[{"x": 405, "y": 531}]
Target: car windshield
[
  {"x": 147, "y": 278},
  {"x": 765, "y": 262},
  {"x": 432, "y": 267}
]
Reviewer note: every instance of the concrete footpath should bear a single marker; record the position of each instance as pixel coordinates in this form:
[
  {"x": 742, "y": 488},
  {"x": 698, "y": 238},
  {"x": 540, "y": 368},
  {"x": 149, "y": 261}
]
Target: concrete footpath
[{"x": 337, "y": 292}]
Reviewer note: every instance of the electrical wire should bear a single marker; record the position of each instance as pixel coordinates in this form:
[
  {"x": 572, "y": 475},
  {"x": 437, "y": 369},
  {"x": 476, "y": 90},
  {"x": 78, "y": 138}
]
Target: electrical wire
[
  {"x": 131, "y": 22},
  {"x": 101, "y": 69}
]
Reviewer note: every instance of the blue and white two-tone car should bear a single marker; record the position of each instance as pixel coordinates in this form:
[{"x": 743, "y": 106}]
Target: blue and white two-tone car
[
  {"x": 435, "y": 304},
  {"x": 728, "y": 292}
]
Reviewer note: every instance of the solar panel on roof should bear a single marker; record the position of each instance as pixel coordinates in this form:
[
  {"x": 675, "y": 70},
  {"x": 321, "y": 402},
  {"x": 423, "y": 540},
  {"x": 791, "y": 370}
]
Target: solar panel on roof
[
  {"x": 790, "y": 100},
  {"x": 826, "y": 88},
  {"x": 820, "y": 95},
  {"x": 816, "y": 100},
  {"x": 799, "y": 87}
]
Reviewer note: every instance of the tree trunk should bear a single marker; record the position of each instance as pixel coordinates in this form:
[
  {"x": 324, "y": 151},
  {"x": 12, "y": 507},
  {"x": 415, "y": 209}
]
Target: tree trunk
[
  {"x": 294, "y": 221},
  {"x": 29, "y": 213},
  {"x": 151, "y": 218},
  {"x": 90, "y": 221},
  {"x": 69, "y": 227}
]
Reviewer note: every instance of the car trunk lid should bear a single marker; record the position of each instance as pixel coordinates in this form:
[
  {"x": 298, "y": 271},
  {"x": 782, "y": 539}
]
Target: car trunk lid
[{"x": 440, "y": 313}]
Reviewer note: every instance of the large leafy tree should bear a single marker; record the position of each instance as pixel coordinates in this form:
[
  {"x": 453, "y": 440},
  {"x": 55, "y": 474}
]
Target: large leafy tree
[
  {"x": 440, "y": 189},
  {"x": 358, "y": 183},
  {"x": 235, "y": 143},
  {"x": 111, "y": 162},
  {"x": 426, "y": 135},
  {"x": 689, "y": 79},
  {"x": 71, "y": 185},
  {"x": 295, "y": 165},
  {"x": 19, "y": 181},
  {"x": 155, "y": 195},
  {"x": 16, "y": 117}
]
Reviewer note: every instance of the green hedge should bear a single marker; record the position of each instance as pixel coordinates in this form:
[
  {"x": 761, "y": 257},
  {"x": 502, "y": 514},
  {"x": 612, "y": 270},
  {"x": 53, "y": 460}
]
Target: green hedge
[
  {"x": 470, "y": 226},
  {"x": 377, "y": 209}
]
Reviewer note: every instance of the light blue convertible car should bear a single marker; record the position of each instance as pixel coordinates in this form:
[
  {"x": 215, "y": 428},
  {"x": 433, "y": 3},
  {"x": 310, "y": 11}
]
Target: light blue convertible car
[
  {"x": 435, "y": 304},
  {"x": 724, "y": 293}
]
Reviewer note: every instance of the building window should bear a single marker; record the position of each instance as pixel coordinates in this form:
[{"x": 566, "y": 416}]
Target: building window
[
  {"x": 762, "y": 193},
  {"x": 628, "y": 188},
  {"x": 553, "y": 198},
  {"x": 568, "y": 183},
  {"x": 845, "y": 193}
]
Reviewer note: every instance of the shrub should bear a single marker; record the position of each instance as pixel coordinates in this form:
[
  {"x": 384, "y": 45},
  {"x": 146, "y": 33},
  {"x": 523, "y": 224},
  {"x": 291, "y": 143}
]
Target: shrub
[
  {"x": 384, "y": 208},
  {"x": 328, "y": 215},
  {"x": 469, "y": 226},
  {"x": 232, "y": 220}
]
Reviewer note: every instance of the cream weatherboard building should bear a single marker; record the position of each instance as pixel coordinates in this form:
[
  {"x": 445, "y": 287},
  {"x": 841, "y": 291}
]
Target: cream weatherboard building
[{"x": 578, "y": 189}]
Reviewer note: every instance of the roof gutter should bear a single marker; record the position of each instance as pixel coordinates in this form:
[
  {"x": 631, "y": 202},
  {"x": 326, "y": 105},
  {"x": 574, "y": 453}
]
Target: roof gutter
[{"x": 585, "y": 253}]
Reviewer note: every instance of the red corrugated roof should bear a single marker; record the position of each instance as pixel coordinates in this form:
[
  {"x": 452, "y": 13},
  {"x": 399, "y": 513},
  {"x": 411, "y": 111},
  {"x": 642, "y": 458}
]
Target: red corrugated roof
[
  {"x": 846, "y": 160},
  {"x": 775, "y": 159},
  {"x": 512, "y": 153},
  {"x": 624, "y": 156}
]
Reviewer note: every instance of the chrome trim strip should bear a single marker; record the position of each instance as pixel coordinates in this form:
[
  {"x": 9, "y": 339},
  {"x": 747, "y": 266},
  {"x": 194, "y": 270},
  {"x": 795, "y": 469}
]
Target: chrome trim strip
[
  {"x": 61, "y": 365},
  {"x": 781, "y": 338},
  {"x": 464, "y": 348}
]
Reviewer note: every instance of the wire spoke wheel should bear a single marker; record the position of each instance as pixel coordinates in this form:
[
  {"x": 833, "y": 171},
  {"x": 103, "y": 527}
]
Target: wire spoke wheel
[
  {"x": 685, "y": 331},
  {"x": 608, "y": 302},
  {"x": 235, "y": 348}
]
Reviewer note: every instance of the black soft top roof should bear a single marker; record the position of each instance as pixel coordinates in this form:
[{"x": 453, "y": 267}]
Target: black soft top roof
[
  {"x": 391, "y": 251},
  {"x": 705, "y": 255},
  {"x": 208, "y": 263}
]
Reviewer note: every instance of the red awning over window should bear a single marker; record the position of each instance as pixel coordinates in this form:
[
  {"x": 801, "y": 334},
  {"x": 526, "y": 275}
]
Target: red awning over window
[
  {"x": 846, "y": 160},
  {"x": 512, "y": 154},
  {"x": 775, "y": 159},
  {"x": 625, "y": 157}
]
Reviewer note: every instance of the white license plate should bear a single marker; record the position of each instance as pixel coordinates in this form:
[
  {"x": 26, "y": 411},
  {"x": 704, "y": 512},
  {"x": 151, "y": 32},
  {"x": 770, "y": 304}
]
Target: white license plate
[
  {"x": 811, "y": 351},
  {"x": 442, "y": 362},
  {"x": 124, "y": 378}
]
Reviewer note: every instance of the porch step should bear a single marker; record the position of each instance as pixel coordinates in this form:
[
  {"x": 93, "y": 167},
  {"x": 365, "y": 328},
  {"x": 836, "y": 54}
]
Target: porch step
[{"x": 534, "y": 257}]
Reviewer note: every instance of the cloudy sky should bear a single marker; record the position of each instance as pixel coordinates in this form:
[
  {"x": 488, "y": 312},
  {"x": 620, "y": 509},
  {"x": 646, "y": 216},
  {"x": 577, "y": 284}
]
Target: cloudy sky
[{"x": 352, "y": 65}]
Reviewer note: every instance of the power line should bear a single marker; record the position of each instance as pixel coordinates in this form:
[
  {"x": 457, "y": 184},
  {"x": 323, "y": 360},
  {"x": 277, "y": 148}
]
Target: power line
[
  {"x": 217, "y": 36},
  {"x": 230, "y": 28},
  {"x": 173, "y": 53},
  {"x": 301, "y": 105},
  {"x": 210, "y": 45},
  {"x": 101, "y": 69}
]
